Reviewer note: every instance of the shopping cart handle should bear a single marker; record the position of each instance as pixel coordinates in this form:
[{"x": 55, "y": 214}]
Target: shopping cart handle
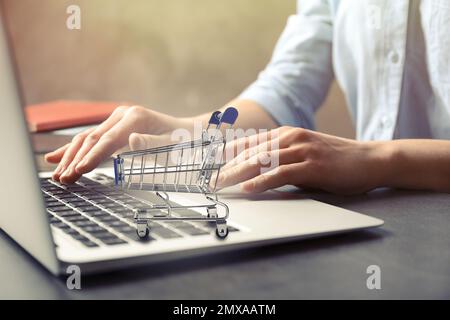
[
  {"x": 215, "y": 118},
  {"x": 229, "y": 116},
  {"x": 117, "y": 173}
]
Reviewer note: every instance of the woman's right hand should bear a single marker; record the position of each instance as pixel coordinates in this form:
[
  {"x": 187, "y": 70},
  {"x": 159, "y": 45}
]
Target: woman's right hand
[{"x": 135, "y": 125}]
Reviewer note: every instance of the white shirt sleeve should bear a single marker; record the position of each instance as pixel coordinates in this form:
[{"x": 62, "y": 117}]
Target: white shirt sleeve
[{"x": 297, "y": 79}]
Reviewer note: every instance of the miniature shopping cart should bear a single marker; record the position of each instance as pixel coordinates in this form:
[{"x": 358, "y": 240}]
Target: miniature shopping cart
[{"x": 188, "y": 167}]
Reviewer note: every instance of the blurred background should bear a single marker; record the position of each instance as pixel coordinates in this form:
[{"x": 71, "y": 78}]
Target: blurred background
[{"x": 181, "y": 57}]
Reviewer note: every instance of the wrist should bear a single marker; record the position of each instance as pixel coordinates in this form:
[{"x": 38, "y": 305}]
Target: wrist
[{"x": 383, "y": 155}]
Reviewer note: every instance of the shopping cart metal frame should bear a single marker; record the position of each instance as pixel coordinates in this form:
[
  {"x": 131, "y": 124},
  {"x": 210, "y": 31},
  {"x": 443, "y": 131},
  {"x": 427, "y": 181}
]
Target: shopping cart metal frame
[{"x": 203, "y": 170}]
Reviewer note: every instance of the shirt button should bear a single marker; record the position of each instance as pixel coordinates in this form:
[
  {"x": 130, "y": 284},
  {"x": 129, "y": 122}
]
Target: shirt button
[
  {"x": 386, "y": 122},
  {"x": 394, "y": 57}
]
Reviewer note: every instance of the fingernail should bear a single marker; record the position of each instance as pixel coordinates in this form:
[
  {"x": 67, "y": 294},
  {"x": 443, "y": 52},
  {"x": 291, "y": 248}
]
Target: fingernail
[
  {"x": 56, "y": 173},
  {"x": 67, "y": 173},
  {"x": 134, "y": 141},
  {"x": 58, "y": 169},
  {"x": 140, "y": 143},
  {"x": 220, "y": 179},
  {"x": 248, "y": 186}
]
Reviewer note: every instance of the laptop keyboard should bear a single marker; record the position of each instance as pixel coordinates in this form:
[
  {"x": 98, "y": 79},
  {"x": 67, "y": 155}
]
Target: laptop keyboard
[{"x": 95, "y": 214}]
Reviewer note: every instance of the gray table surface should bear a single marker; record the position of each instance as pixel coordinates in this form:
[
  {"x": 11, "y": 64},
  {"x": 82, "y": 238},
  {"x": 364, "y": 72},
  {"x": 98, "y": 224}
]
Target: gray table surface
[{"x": 412, "y": 250}]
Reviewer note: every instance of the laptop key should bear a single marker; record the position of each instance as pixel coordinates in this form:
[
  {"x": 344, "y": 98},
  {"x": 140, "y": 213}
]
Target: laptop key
[
  {"x": 60, "y": 209},
  {"x": 53, "y": 204},
  {"x": 94, "y": 229},
  {"x": 64, "y": 214},
  {"x": 114, "y": 194},
  {"x": 104, "y": 235},
  {"x": 70, "y": 231},
  {"x": 165, "y": 233},
  {"x": 67, "y": 197},
  {"x": 75, "y": 187},
  {"x": 125, "y": 229},
  {"x": 84, "y": 223},
  {"x": 131, "y": 201},
  {"x": 81, "y": 205},
  {"x": 79, "y": 237},
  {"x": 90, "y": 208},
  {"x": 193, "y": 231},
  {"x": 60, "y": 225},
  {"x": 90, "y": 244},
  {"x": 59, "y": 192},
  {"x": 103, "y": 201},
  {"x": 116, "y": 224},
  {"x": 74, "y": 199},
  {"x": 83, "y": 193},
  {"x": 95, "y": 214},
  {"x": 122, "y": 197},
  {"x": 98, "y": 214},
  {"x": 52, "y": 188},
  {"x": 54, "y": 220},
  {"x": 188, "y": 213},
  {"x": 113, "y": 241},
  {"x": 76, "y": 218},
  {"x": 178, "y": 224},
  {"x": 100, "y": 188},
  {"x": 122, "y": 211},
  {"x": 112, "y": 206},
  {"x": 107, "y": 218},
  {"x": 204, "y": 224},
  {"x": 95, "y": 197}
]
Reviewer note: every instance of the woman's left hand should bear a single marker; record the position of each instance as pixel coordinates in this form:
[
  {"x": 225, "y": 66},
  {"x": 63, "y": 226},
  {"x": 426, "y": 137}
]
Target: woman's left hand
[{"x": 307, "y": 159}]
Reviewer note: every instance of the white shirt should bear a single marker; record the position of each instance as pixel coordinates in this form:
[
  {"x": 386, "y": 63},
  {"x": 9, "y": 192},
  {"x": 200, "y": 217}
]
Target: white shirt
[{"x": 390, "y": 57}]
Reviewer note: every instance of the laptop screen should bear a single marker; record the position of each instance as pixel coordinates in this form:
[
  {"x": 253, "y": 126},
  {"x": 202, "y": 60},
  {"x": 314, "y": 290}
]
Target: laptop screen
[{"x": 22, "y": 216}]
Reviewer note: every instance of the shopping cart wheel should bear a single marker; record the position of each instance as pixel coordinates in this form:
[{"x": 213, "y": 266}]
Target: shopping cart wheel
[
  {"x": 221, "y": 229},
  {"x": 142, "y": 231}
]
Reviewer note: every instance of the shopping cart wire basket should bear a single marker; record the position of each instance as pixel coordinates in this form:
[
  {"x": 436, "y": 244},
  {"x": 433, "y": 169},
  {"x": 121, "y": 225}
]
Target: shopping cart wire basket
[{"x": 187, "y": 167}]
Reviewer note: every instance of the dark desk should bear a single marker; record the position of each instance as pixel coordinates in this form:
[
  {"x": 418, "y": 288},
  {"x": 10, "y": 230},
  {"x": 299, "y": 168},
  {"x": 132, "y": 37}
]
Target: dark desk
[{"x": 412, "y": 250}]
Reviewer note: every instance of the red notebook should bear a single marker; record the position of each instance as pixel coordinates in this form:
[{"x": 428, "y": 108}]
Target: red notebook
[{"x": 66, "y": 114}]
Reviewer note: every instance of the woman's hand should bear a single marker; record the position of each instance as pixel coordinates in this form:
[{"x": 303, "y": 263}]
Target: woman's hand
[
  {"x": 135, "y": 125},
  {"x": 307, "y": 159}
]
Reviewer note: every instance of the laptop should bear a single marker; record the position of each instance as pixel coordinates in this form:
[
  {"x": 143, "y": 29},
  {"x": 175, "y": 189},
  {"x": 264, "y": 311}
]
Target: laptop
[{"x": 91, "y": 223}]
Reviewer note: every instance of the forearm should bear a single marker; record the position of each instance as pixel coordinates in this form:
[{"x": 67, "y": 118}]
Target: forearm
[
  {"x": 251, "y": 115},
  {"x": 415, "y": 164}
]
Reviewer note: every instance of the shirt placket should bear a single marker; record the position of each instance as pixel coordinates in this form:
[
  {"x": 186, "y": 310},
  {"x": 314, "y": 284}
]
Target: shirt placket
[{"x": 396, "y": 28}]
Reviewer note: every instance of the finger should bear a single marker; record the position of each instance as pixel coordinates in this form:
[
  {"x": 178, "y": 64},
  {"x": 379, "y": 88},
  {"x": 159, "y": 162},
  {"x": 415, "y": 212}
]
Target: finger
[
  {"x": 111, "y": 141},
  {"x": 140, "y": 141},
  {"x": 270, "y": 145},
  {"x": 279, "y": 138},
  {"x": 56, "y": 156},
  {"x": 296, "y": 173},
  {"x": 257, "y": 165},
  {"x": 240, "y": 144},
  {"x": 70, "y": 153},
  {"x": 70, "y": 175}
]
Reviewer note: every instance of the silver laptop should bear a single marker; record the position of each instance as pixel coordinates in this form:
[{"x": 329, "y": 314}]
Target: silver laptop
[{"x": 91, "y": 224}]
